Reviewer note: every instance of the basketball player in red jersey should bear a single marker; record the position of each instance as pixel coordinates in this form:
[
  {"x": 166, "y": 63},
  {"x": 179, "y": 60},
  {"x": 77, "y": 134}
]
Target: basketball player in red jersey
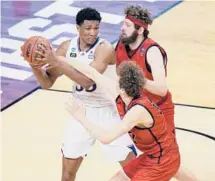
[
  {"x": 136, "y": 46},
  {"x": 141, "y": 118}
]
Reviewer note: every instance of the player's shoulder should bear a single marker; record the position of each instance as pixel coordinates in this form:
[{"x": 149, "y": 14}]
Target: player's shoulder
[
  {"x": 65, "y": 43},
  {"x": 153, "y": 49},
  {"x": 63, "y": 47},
  {"x": 154, "y": 53},
  {"x": 104, "y": 44},
  {"x": 104, "y": 47},
  {"x": 105, "y": 52}
]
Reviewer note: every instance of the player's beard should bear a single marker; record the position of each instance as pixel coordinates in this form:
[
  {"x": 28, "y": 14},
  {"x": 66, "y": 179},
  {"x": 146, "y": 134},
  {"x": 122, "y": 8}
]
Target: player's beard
[{"x": 130, "y": 39}]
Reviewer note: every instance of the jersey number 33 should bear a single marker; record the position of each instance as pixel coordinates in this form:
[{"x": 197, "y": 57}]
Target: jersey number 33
[{"x": 90, "y": 89}]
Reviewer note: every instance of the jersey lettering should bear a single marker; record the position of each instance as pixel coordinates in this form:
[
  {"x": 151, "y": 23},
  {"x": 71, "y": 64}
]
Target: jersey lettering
[{"x": 90, "y": 89}]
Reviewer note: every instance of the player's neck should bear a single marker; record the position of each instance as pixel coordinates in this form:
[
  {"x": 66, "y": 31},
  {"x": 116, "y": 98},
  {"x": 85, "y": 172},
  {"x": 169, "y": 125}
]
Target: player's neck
[
  {"x": 136, "y": 44},
  {"x": 127, "y": 100},
  {"x": 83, "y": 46}
]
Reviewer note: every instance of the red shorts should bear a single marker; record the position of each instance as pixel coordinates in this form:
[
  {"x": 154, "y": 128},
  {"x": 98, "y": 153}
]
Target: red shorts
[{"x": 144, "y": 168}]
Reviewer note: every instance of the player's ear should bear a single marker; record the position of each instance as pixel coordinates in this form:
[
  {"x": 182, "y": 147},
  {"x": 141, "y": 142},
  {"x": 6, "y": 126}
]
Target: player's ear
[
  {"x": 140, "y": 30},
  {"x": 122, "y": 92},
  {"x": 78, "y": 28}
]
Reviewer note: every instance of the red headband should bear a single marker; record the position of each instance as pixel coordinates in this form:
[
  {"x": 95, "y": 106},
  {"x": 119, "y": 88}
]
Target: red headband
[{"x": 137, "y": 22}]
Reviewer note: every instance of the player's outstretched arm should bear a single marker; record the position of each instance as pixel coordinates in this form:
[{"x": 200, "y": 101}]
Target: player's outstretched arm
[
  {"x": 65, "y": 68},
  {"x": 110, "y": 85},
  {"x": 137, "y": 115},
  {"x": 104, "y": 56}
]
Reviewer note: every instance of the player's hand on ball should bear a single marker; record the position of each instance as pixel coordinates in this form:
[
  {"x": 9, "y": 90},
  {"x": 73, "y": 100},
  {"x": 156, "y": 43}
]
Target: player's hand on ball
[
  {"x": 31, "y": 64},
  {"x": 46, "y": 55},
  {"x": 30, "y": 47},
  {"x": 76, "y": 109}
]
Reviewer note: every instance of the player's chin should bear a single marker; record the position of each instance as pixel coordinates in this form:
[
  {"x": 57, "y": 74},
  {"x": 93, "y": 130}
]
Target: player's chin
[
  {"x": 122, "y": 37},
  {"x": 91, "y": 41}
]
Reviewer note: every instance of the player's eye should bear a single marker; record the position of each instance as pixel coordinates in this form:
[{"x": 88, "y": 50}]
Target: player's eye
[{"x": 128, "y": 24}]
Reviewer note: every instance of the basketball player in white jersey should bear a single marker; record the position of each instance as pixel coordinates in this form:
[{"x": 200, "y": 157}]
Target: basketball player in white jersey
[{"x": 90, "y": 49}]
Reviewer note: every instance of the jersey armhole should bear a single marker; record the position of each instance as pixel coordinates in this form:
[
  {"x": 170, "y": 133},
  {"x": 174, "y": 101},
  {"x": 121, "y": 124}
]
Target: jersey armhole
[
  {"x": 137, "y": 127},
  {"x": 117, "y": 98},
  {"x": 148, "y": 67}
]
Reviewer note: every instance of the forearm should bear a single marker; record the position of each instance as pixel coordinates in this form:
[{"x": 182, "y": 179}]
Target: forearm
[
  {"x": 42, "y": 77},
  {"x": 64, "y": 67},
  {"x": 97, "y": 132},
  {"x": 155, "y": 88},
  {"x": 105, "y": 82}
]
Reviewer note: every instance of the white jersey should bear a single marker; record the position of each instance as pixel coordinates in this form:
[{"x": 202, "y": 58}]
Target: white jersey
[{"x": 93, "y": 96}]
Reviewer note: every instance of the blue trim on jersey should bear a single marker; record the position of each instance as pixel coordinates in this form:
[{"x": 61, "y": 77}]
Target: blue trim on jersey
[
  {"x": 132, "y": 147},
  {"x": 78, "y": 44}
]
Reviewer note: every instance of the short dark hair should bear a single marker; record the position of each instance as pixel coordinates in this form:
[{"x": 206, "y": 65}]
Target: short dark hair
[
  {"x": 131, "y": 78},
  {"x": 87, "y": 14},
  {"x": 140, "y": 13}
]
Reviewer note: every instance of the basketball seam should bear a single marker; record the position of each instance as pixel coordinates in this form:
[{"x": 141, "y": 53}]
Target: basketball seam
[
  {"x": 25, "y": 48},
  {"x": 33, "y": 49}
]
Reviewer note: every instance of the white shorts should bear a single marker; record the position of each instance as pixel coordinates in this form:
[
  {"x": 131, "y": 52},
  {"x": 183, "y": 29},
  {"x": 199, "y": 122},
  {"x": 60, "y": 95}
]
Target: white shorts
[{"x": 78, "y": 141}]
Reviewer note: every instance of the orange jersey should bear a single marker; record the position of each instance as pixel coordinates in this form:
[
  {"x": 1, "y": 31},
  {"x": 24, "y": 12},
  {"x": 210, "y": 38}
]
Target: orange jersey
[
  {"x": 139, "y": 57},
  {"x": 156, "y": 141}
]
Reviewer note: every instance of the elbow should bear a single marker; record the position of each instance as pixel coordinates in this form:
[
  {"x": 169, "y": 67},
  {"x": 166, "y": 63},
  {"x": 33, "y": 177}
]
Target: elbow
[
  {"x": 160, "y": 91},
  {"x": 163, "y": 91},
  {"x": 105, "y": 140},
  {"x": 46, "y": 85},
  {"x": 88, "y": 84}
]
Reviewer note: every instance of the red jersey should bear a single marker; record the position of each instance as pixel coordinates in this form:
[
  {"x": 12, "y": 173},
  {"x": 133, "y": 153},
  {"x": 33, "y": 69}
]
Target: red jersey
[
  {"x": 139, "y": 57},
  {"x": 155, "y": 141}
]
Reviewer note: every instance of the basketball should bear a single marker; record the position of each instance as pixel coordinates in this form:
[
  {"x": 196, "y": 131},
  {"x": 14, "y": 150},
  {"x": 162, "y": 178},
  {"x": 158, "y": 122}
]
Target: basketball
[{"x": 29, "y": 49}]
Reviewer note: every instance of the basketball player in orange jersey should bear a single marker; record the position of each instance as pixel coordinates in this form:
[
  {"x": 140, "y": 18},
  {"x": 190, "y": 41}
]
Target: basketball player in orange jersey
[
  {"x": 97, "y": 52},
  {"x": 140, "y": 117},
  {"x": 135, "y": 45}
]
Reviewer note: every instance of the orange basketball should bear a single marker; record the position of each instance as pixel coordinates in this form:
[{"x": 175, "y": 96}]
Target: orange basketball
[{"x": 29, "y": 49}]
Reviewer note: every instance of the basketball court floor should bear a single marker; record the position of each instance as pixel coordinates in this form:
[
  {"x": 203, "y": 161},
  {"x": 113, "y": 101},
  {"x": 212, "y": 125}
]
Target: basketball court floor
[{"x": 33, "y": 119}]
